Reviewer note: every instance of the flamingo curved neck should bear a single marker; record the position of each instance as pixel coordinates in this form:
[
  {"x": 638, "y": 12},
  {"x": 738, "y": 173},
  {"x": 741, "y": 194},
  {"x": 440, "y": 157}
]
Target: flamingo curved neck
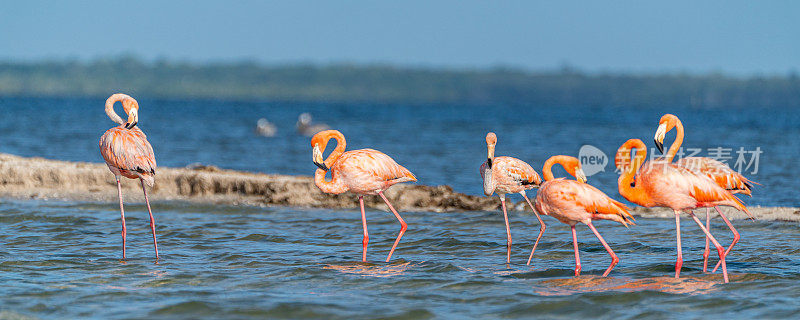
[
  {"x": 547, "y": 170},
  {"x": 110, "y": 106},
  {"x": 627, "y": 186},
  {"x": 341, "y": 144},
  {"x": 335, "y": 185},
  {"x": 676, "y": 145}
]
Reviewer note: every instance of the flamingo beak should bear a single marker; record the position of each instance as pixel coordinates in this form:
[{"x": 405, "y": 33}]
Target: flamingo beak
[
  {"x": 133, "y": 119},
  {"x": 321, "y": 166},
  {"x": 317, "y": 154},
  {"x": 490, "y": 155},
  {"x": 661, "y": 132},
  {"x": 580, "y": 175}
]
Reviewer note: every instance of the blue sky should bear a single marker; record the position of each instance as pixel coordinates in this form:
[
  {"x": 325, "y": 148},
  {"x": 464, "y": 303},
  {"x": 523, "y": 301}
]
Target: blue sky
[{"x": 734, "y": 37}]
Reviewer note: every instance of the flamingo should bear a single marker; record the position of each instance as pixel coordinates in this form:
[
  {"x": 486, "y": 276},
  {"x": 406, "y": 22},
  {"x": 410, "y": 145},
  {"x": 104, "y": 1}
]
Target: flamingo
[
  {"x": 363, "y": 172},
  {"x": 265, "y": 128},
  {"x": 308, "y": 128},
  {"x": 128, "y": 154},
  {"x": 720, "y": 172},
  {"x": 662, "y": 184},
  {"x": 572, "y": 201},
  {"x": 502, "y": 175}
]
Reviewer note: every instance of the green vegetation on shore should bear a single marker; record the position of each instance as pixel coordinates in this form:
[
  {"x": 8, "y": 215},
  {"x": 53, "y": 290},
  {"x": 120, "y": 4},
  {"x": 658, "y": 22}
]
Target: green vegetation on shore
[{"x": 387, "y": 84}]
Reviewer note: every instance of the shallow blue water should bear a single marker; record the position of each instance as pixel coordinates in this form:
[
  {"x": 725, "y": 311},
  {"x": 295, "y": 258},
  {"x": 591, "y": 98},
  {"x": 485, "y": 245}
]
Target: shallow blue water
[
  {"x": 61, "y": 259},
  {"x": 441, "y": 144}
]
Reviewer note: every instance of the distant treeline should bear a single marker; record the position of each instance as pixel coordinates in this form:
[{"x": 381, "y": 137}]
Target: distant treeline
[{"x": 387, "y": 84}]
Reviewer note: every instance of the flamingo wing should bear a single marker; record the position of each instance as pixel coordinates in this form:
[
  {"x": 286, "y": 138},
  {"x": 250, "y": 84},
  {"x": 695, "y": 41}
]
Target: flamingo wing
[
  {"x": 518, "y": 170},
  {"x": 376, "y": 165},
  {"x": 128, "y": 150},
  {"x": 600, "y": 205},
  {"x": 573, "y": 201},
  {"x": 710, "y": 192},
  {"x": 700, "y": 187},
  {"x": 720, "y": 172}
]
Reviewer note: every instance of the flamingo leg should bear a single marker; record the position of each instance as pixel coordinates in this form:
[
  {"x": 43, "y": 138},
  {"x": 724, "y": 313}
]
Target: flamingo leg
[
  {"x": 403, "y": 225},
  {"x": 720, "y": 248},
  {"x": 706, "y": 252},
  {"x": 614, "y": 259},
  {"x": 364, "y": 224},
  {"x": 542, "y": 226},
  {"x": 735, "y": 237},
  {"x": 508, "y": 229},
  {"x": 122, "y": 214},
  {"x": 577, "y": 256},
  {"x": 679, "y": 262},
  {"x": 152, "y": 221}
]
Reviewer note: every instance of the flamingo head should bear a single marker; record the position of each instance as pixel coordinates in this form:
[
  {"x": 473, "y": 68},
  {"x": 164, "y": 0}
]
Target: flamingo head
[
  {"x": 491, "y": 141},
  {"x": 131, "y": 108},
  {"x": 318, "y": 144},
  {"x": 304, "y": 118},
  {"x": 667, "y": 123},
  {"x": 573, "y": 166},
  {"x": 318, "y": 159},
  {"x": 623, "y": 157},
  {"x": 580, "y": 175}
]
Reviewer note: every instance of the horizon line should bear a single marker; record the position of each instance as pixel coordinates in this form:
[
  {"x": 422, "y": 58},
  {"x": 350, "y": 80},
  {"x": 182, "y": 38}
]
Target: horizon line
[{"x": 562, "y": 68}]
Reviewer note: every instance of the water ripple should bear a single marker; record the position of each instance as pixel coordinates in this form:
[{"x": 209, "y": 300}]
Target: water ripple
[{"x": 62, "y": 259}]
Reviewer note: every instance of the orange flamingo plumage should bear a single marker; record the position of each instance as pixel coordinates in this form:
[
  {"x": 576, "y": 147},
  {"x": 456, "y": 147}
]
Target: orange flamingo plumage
[
  {"x": 662, "y": 184},
  {"x": 363, "y": 172},
  {"x": 572, "y": 201},
  {"x": 128, "y": 154},
  {"x": 720, "y": 172},
  {"x": 502, "y": 175}
]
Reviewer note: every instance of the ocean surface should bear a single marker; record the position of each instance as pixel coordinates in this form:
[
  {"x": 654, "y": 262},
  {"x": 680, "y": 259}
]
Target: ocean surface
[
  {"x": 61, "y": 259},
  {"x": 440, "y": 144}
]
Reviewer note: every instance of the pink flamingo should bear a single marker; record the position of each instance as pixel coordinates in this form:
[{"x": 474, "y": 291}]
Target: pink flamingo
[
  {"x": 128, "y": 154},
  {"x": 720, "y": 172},
  {"x": 363, "y": 172},
  {"x": 504, "y": 175},
  {"x": 662, "y": 184},
  {"x": 572, "y": 201}
]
